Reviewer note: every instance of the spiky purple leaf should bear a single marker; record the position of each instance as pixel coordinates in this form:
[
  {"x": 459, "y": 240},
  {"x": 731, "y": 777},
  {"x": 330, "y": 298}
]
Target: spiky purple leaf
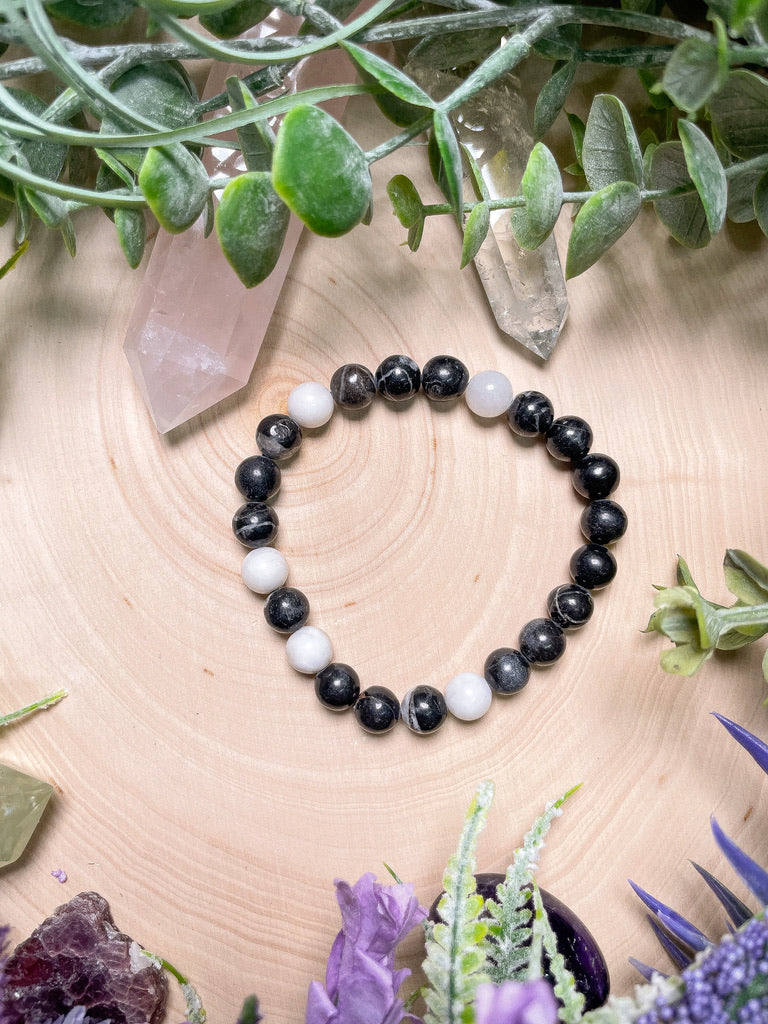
[
  {"x": 643, "y": 969},
  {"x": 754, "y": 877},
  {"x": 738, "y": 912},
  {"x": 678, "y": 926},
  {"x": 748, "y": 740},
  {"x": 679, "y": 956}
]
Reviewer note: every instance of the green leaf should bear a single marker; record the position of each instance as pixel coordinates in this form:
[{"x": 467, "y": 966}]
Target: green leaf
[
  {"x": 475, "y": 230},
  {"x": 452, "y": 965},
  {"x": 570, "y": 999},
  {"x": 51, "y": 210},
  {"x": 578, "y": 129},
  {"x": 131, "y": 227},
  {"x": 742, "y": 194},
  {"x": 694, "y": 73},
  {"x": 235, "y": 20},
  {"x": 452, "y": 49},
  {"x": 610, "y": 150},
  {"x": 745, "y": 577},
  {"x": 9, "y": 264},
  {"x": 387, "y": 75},
  {"x": 561, "y": 43},
  {"x": 42, "y": 157},
  {"x": 765, "y": 666},
  {"x": 685, "y": 660},
  {"x": 405, "y": 199},
  {"x": 251, "y": 222},
  {"x": 257, "y": 140},
  {"x": 683, "y": 216},
  {"x": 706, "y": 172},
  {"x": 760, "y": 201},
  {"x": 175, "y": 185},
  {"x": 320, "y": 172},
  {"x": 450, "y": 157},
  {"x": 103, "y": 14},
  {"x": 552, "y": 96},
  {"x": 543, "y": 192},
  {"x": 739, "y": 113},
  {"x": 600, "y": 222}
]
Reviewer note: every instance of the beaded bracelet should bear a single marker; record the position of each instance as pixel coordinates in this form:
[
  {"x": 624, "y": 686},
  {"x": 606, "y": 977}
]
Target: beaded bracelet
[{"x": 541, "y": 641}]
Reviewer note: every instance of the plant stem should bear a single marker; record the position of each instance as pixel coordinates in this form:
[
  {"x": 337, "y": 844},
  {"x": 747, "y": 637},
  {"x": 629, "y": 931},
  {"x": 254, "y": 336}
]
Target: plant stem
[{"x": 38, "y": 705}]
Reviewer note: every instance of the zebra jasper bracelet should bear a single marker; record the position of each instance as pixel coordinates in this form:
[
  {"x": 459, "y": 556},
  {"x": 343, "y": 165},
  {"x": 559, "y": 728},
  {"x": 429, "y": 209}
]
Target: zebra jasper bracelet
[{"x": 541, "y": 641}]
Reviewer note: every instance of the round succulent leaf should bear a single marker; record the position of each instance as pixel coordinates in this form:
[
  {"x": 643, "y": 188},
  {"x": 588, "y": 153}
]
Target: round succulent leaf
[
  {"x": 251, "y": 222},
  {"x": 131, "y": 227},
  {"x": 600, "y": 222},
  {"x": 320, "y": 172},
  {"x": 739, "y": 114},
  {"x": 475, "y": 230},
  {"x": 236, "y": 19},
  {"x": 741, "y": 194},
  {"x": 43, "y": 157},
  {"x": 406, "y": 201},
  {"x": 445, "y": 50},
  {"x": 610, "y": 150},
  {"x": 543, "y": 191},
  {"x": 103, "y": 14},
  {"x": 693, "y": 74},
  {"x": 706, "y": 173},
  {"x": 389, "y": 77},
  {"x": 552, "y": 96},
  {"x": 760, "y": 201},
  {"x": 175, "y": 185},
  {"x": 683, "y": 216}
]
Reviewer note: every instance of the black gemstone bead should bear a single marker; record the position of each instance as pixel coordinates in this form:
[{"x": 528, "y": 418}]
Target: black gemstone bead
[
  {"x": 286, "y": 609},
  {"x": 257, "y": 478},
  {"x": 568, "y": 438},
  {"x": 424, "y": 709},
  {"x": 506, "y": 670},
  {"x": 337, "y": 686},
  {"x": 603, "y": 521},
  {"x": 444, "y": 378},
  {"x": 541, "y": 641},
  {"x": 278, "y": 437},
  {"x": 531, "y": 413},
  {"x": 353, "y": 386},
  {"x": 570, "y": 606},
  {"x": 255, "y": 524},
  {"x": 596, "y": 476},
  {"x": 398, "y": 378},
  {"x": 592, "y": 566},
  {"x": 377, "y": 709}
]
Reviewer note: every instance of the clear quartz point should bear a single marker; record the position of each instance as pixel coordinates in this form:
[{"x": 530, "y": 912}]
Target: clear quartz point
[
  {"x": 525, "y": 289},
  {"x": 22, "y": 801}
]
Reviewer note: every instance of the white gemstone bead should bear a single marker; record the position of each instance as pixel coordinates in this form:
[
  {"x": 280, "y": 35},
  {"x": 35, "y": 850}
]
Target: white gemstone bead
[
  {"x": 310, "y": 404},
  {"x": 489, "y": 394},
  {"x": 264, "y": 570},
  {"x": 468, "y": 696},
  {"x": 309, "y": 650}
]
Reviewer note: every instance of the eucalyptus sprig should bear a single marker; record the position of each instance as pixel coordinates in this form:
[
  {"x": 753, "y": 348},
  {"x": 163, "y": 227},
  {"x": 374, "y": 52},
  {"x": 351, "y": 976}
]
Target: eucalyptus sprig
[
  {"x": 698, "y": 627},
  {"x": 702, "y": 156}
]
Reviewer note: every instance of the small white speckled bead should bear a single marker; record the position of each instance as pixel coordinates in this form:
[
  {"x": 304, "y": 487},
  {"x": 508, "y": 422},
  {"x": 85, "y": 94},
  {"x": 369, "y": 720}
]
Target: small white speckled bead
[
  {"x": 264, "y": 570},
  {"x": 489, "y": 393},
  {"x": 310, "y": 404},
  {"x": 309, "y": 650},
  {"x": 468, "y": 696}
]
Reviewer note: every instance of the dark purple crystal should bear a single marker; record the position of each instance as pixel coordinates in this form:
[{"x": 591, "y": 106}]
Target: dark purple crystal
[{"x": 77, "y": 957}]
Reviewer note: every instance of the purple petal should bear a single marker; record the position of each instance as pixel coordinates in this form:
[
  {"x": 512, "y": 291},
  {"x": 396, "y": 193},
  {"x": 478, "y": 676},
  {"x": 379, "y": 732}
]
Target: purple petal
[
  {"x": 680, "y": 957},
  {"x": 515, "y": 1002},
  {"x": 643, "y": 969},
  {"x": 320, "y": 1009},
  {"x": 750, "y": 742},
  {"x": 750, "y": 872},
  {"x": 367, "y": 994},
  {"x": 738, "y": 912},
  {"x": 334, "y": 965},
  {"x": 675, "y": 923}
]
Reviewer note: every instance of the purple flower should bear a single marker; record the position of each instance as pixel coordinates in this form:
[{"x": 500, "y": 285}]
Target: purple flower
[
  {"x": 361, "y": 984},
  {"x": 516, "y": 1002}
]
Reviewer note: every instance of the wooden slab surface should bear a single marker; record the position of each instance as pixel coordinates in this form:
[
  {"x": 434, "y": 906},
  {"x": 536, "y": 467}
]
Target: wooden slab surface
[{"x": 199, "y": 786}]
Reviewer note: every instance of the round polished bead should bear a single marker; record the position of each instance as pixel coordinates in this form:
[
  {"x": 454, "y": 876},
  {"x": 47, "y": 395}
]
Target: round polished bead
[
  {"x": 444, "y": 378},
  {"x": 530, "y": 413},
  {"x": 258, "y": 478},
  {"x": 506, "y": 670},
  {"x": 264, "y": 570},
  {"x": 570, "y": 606},
  {"x": 541, "y": 641},
  {"x": 286, "y": 609},
  {"x": 568, "y": 438},
  {"x": 310, "y": 405},
  {"x": 423, "y": 709},
  {"x": 338, "y": 686},
  {"x": 353, "y": 386},
  {"x": 489, "y": 394},
  {"x": 278, "y": 437},
  {"x": 309, "y": 650},
  {"x": 603, "y": 521},
  {"x": 398, "y": 378},
  {"x": 596, "y": 476},
  {"x": 468, "y": 696},
  {"x": 592, "y": 566},
  {"x": 255, "y": 524},
  {"x": 377, "y": 709}
]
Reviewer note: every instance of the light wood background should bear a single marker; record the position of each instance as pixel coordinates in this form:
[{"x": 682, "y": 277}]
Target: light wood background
[{"x": 199, "y": 786}]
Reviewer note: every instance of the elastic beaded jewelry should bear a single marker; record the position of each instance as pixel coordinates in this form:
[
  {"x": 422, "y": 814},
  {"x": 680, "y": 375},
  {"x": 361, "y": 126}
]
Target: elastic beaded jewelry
[{"x": 541, "y": 642}]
